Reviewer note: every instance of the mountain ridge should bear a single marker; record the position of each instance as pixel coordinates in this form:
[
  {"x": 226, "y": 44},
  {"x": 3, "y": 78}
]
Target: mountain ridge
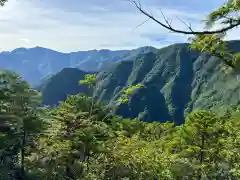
[
  {"x": 176, "y": 79},
  {"x": 36, "y": 63},
  {"x": 88, "y": 50}
]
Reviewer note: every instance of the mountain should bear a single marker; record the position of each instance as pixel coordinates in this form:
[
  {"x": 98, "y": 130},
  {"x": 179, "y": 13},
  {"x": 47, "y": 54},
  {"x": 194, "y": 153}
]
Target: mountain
[
  {"x": 176, "y": 79},
  {"x": 167, "y": 76},
  {"x": 36, "y": 64},
  {"x": 59, "y": 86}
]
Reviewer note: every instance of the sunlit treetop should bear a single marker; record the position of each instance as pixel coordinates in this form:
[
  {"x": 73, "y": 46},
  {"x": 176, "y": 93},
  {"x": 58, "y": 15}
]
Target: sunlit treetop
[
  {"x": 127, "y": 93},
  {"x": 89, "y": 80}
]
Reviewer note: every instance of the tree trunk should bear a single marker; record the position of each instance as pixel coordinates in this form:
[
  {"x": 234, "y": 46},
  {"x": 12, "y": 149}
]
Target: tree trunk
[
  {"x": 201, "y": 155},
  {"x": 69, "y": 172},
  {"x": 23, "y": 154}
]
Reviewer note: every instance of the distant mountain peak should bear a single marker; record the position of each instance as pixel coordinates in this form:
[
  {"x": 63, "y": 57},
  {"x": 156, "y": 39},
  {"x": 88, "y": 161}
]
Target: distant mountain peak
[
  {"x": 39, "y": 48},
  {"x": 35, "y": 63},
  {"x": 36, "y": 48},
  {"x": 21, "y": 49}
]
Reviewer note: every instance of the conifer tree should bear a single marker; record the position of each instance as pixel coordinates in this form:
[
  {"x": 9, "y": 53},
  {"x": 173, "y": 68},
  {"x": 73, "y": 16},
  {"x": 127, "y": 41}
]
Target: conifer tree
[
  {"x": 199, "y": 144},
  {"x": 19, "y": 113}
]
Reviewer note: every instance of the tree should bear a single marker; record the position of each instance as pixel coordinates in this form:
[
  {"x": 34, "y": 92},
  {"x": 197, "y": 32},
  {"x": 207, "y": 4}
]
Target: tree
[
  {"x": 90, "y": 80},
  {"x": 231, "y": 150},
  {"x": 73, "y": 138},
  {"x": 19, "y": 114},
  {"x": 209, "y": 40},
  {"x": 223, "y": 13},
  {"x": 138, "y": 152},
  {"x": 199, "y": 147},
  {"x": 124, "y": 98}
]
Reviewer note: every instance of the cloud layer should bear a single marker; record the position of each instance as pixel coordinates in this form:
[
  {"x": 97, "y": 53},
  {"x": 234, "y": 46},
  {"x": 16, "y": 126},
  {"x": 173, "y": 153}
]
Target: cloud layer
[{"x": 71, "y": 25}]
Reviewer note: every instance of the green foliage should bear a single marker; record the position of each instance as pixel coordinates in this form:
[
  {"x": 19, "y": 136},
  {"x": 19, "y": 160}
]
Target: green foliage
[
  {"x": 81, "y": 139},
  {"x": 224, "y": 13},
  {"x": 225, "y": 16},
  {"x": 209, "y": 43},
  {"x": 127, "y": 93},
  {"x": 213, "y": 44},
  {"x": 176, "y": 81},
  {"x": 20, "y": 122},
  {"x": 203, "y": 134},
  {"x": 89, "y": 80}
]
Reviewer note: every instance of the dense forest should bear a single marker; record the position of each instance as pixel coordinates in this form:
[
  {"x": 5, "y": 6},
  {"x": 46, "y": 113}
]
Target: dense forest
[{"x": 81, "y": 138}]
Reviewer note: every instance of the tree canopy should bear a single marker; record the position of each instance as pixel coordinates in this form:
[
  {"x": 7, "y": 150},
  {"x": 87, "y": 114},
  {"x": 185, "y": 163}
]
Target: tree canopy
[{"x": 79, "y": 140}]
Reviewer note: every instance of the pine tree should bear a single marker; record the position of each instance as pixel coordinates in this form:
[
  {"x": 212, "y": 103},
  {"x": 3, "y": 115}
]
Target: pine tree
[
  {"x": 75, "y": 138},
  {"x": 199, "y": 145},
  {"x": 19, "y": 114}
]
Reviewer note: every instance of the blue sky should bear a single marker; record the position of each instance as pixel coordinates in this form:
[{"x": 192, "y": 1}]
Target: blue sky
[{"x": 72, "y": 25}]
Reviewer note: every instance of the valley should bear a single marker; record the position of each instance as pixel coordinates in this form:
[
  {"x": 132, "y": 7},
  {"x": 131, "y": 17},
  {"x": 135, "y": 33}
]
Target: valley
[
  {"x": 177, "y": 80},
  {"x": 121, "y": 96}
]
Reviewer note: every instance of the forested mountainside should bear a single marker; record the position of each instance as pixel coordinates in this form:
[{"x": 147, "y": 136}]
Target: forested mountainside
[
  {"x": 64, "y": 83},
  {"x": 35, "y": 64},
  {"x": 78, "y": 139},
  {"x": 103, "y": 127},
  {"x": 176, "y": 79}
]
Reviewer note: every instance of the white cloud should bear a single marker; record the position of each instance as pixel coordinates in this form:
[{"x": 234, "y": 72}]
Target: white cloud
[
  {"x": 26, "y": 23},
  {"x": 25, "y": 40}
]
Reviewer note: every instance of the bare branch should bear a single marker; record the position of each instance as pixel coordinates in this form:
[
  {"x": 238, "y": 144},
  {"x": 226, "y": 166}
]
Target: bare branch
[
  {"x": 167, "y": 24},
  {"x": 188, "y": 26},
  {"x": 191, "y": 32},
  {"x": 165, "y": 19},
  {"x": 141, "y": 24}
]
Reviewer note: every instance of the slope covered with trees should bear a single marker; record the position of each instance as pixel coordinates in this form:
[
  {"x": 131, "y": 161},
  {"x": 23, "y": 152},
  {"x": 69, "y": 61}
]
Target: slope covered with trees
[
  {"x": 79, "y": 139},
  {"x": 59, "y": 86},
  {"x": 176, "y": 80}
]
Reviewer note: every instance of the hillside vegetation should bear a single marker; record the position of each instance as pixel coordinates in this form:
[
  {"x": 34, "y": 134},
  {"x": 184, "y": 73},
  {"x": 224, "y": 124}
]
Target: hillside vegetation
[
  {"x": 61, "y": 85},
  {"x": 176, "y": 81},
  {"x": 192, "y": 96},
  {"x": 80, "y": 139}
]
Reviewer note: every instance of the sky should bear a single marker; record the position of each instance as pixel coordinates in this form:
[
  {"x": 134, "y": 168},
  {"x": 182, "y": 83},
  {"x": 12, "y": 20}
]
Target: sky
[{"x": 73, "y": 25}]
